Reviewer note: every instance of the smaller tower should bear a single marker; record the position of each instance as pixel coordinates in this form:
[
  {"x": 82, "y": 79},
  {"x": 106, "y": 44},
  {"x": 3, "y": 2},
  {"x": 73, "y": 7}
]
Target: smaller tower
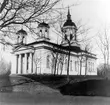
[
  {"x": 69, "y": 31},
  {"x": 21, "y": 36},
  {"x": 43, "y": 29}
]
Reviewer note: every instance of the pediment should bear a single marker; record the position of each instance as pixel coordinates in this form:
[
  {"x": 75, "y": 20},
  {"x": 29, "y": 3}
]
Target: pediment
[{"x": 22, "y": 47}]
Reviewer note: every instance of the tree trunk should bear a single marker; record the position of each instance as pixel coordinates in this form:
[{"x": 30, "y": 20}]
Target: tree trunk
[
  {"x": 61, "y": 69},
  {"x": 68, "y": 64},
  {"x": 57, "y": 68},
  {"x": 80, "y": 66},
  {"x": 55, "y": 64}
]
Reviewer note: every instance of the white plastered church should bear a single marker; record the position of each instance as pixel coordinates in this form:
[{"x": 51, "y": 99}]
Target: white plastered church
[{"x": 46, "y": 57}]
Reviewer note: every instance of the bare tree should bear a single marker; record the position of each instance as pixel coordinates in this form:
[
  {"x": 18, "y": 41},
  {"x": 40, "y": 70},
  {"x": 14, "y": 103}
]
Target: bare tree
[
  {"x": 37, "y": 64},
  {"x": 57, "y": 59},
  {"x": 24, "y": 12},
  {"x": 103, "y": 43},
  {"x": 82, "y": 33},
  {"x": 102, "y": 72},
  {"x": 83, "y": 57}
]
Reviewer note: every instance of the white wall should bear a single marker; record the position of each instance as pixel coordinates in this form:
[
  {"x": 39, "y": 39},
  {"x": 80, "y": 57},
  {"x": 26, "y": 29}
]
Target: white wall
[{"x": 40, "y": 58}]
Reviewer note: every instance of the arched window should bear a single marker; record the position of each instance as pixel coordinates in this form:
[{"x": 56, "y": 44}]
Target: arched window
[{"x": 48, "y": 61}]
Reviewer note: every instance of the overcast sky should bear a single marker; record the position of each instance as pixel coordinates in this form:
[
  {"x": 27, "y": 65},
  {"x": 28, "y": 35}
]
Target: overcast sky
[{"x": 94, "y": 13}]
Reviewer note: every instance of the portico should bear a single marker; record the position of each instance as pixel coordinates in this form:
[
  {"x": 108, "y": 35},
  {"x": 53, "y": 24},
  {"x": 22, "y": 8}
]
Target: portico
[{"x": 24, "y": 63}]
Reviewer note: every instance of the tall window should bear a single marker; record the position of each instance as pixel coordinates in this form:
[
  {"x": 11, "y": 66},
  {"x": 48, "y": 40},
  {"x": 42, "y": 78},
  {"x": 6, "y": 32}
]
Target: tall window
[
  {"x": 89, "y": 66},
  {"x": 53, "y": 63},
  {"x": 93, "y": 66},
  {"x": 48, "y": 61},
  {"x": 76, "y": 66},
  {"x": 70, "y": 65},
  {"x": 66, "y": 63}
]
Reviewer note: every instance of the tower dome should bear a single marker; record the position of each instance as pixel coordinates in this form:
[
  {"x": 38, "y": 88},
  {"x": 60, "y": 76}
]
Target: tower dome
[
  {"x": 22, "y": 32},
  {"x": 69, "y": 21},
  {"x": 43, "y": 24}
]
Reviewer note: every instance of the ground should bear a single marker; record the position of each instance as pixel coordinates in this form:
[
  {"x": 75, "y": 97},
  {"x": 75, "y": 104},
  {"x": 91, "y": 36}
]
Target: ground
[
  {"x": 18, "y": 90},
  {"x": 52, "y": 99}
]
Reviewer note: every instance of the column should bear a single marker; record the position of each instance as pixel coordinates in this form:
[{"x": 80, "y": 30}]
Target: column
[
  {"x": 31, "y": 62},
  {"x": 17, "y": 64},
  {"x": 26, "y": 62},
  {"x": 20, "y": 64}
]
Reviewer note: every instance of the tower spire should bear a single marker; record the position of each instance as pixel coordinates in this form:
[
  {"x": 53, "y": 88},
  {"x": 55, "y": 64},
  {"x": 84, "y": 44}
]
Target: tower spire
[{"x": 68, "y": 15}]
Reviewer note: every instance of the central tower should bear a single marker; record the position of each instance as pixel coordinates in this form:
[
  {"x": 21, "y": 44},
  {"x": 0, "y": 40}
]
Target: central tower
[{"x": 69, "y": 30}]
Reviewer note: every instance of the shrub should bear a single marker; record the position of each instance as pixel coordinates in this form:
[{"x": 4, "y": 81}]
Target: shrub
[
  {"x": 5, "y": 67},
  {"x": 104, "y": 70}
]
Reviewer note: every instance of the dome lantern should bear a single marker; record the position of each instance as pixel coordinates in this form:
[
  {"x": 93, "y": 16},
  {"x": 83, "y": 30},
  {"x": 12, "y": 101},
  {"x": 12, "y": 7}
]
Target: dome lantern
[
  {"x": 21, "y": 36},
  {"x": 43, "y": 29}
]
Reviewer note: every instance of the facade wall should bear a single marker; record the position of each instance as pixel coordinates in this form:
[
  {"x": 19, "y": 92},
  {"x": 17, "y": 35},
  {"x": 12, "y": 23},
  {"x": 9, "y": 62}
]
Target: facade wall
[
  {"x": 44, "y": 63},
  {"x": 91, "y": 67}
]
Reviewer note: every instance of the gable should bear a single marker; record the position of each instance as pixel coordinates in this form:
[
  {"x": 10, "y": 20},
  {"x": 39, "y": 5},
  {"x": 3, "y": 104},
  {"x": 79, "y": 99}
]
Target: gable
[{"x": 22, "y": 47}]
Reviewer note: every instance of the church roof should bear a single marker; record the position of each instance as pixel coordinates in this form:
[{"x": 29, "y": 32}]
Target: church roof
[
  {"x": 69, "y": 21},
  {"x": 55, "y": 47},
  {"x": 60, "y": 47},
  {"x": 43, "y": 24}
]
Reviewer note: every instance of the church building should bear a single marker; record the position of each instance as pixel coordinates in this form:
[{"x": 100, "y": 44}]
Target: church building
[{"x": 45, "y": 57}]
